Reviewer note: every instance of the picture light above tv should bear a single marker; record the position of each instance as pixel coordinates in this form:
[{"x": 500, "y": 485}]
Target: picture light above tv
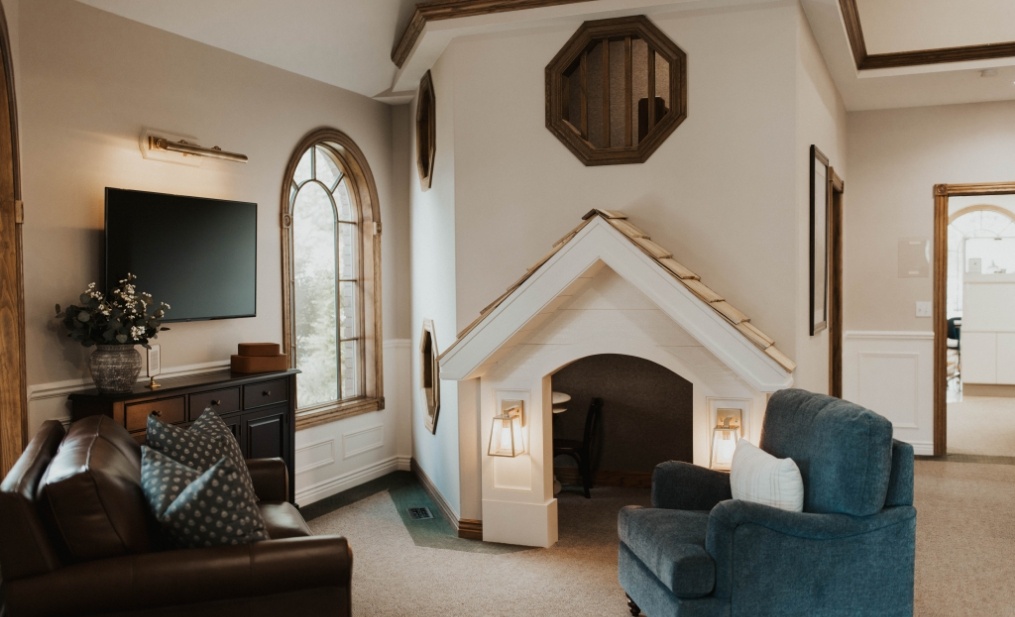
[{"x": 198, "y": 255}]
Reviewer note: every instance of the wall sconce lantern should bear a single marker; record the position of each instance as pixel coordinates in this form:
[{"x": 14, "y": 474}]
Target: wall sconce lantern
[
  {"x": 506, "y": 435},
  {"x": 725, "y": 436}
]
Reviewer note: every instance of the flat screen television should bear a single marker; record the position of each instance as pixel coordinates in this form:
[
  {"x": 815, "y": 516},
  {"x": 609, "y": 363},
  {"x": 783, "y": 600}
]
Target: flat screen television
[{"x": 197, "y": 255}]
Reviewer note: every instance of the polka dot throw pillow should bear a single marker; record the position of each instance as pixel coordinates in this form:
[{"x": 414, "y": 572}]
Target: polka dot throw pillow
[
  {"x": 199, "y": 509},
  {"x": 200, "y": 445}
]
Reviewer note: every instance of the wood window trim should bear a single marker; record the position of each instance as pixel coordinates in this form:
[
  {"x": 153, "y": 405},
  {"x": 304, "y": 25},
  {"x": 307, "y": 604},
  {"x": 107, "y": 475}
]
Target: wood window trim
[
  {"x": 426, "y": 131},
  {"x": 635, "y": 27},
  {"x": 13, "y": 379},
  {"x": 365, "y": 190}
]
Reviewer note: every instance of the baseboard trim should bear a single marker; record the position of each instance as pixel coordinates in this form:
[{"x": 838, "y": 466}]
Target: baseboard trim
[
  {"x": 466, "y": 528},
  {"x": 470, "y": 529},
  {"x": 333, "y": 486}
]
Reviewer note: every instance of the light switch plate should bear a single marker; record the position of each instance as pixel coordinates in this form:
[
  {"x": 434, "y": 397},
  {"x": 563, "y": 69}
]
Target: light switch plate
[
  {"x": 923, "y": 308},
  {"x": 154, "y": 360}
]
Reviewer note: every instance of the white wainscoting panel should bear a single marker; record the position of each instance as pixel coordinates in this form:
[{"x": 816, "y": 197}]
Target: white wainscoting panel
[
  {"x": 314, "y": 455},
  {"x": 340, "y": 455},
  {"x": 892, "y": 373},
  {"x": 361, "y": 441}
]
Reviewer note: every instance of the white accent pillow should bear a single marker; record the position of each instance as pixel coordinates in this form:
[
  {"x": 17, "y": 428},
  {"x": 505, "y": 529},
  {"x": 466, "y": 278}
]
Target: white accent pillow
[{"x": 756, "y": 475}]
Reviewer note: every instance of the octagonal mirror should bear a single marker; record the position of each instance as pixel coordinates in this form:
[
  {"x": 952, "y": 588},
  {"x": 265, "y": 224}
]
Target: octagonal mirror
[{"x": 616, "y": 91}]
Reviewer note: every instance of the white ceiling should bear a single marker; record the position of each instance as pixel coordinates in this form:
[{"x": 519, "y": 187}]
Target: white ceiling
[{"x": 348, "y": 43}]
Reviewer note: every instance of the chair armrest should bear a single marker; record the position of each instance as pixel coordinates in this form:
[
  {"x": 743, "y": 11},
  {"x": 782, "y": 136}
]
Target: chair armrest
[
  {"x": 186, "y": 576},
  {"x": 728, "y": 515},
  {"x": 683, "y": 486},
  {"x": 270, "y": 478},
  {"x": 746, "y": 536}
]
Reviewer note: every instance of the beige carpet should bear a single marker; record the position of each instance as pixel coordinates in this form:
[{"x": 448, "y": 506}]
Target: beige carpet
[
  {"x": 394, "y": 577},
  {"x": 965, "y": 539},
  {"x": 981, "y": 425},
  {"x": 965, "y": 555}
]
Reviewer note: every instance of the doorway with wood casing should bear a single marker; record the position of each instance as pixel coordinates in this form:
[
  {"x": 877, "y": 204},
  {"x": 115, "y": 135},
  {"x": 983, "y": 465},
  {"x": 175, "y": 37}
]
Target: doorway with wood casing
[{"x": 942, "y": 195}]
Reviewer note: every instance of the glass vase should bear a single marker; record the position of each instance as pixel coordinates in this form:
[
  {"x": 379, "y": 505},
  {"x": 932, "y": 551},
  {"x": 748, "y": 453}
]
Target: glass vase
[{"x": 114, "y": 368}]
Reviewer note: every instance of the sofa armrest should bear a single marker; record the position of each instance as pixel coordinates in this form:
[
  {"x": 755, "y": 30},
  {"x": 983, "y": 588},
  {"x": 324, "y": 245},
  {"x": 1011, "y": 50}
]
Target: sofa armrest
[
  {"x": 683, "y": 486},
  {"x": 186, "y": 576},
  {"x": 270, "y": 478}
]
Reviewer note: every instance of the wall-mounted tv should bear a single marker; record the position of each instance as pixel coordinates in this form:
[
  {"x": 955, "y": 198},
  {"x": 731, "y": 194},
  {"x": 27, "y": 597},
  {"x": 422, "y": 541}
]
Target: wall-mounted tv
[{"x": 197, "y": 255}]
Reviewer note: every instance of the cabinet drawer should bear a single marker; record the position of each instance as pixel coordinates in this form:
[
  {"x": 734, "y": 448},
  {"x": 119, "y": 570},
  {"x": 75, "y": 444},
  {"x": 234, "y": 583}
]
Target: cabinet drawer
[
  {"x": 170, "y": 411},
  {"x": 265, "y": 393},
  {"x": 222, "y": 401}
]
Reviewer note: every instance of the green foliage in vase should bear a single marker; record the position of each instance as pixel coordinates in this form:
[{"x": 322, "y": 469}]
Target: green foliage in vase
[{"x": 121, "y": 318}]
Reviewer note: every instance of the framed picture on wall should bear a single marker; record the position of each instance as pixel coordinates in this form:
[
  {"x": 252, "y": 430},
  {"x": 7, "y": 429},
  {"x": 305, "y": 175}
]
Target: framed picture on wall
[{"x": 819, "y": 241}]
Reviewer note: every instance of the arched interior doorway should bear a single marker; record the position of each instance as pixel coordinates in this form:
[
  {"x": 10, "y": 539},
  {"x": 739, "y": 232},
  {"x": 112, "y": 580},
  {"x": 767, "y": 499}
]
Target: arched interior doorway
[
  {"x": 647, "y": 417},
  {"x": 980, "y": 285},
  {"x": 943, "y": 193}
]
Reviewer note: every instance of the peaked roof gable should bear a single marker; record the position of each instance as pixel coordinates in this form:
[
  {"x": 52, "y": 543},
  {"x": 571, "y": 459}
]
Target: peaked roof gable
[{"x": 607, "y": 237}]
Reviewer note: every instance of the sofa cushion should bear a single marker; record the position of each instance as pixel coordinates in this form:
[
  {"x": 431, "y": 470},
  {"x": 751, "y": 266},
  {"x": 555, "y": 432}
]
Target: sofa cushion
[
  {"x": 201, "y": 508},
  {"x": 26, "y": 546},
  {"x": 843, "y": 450},
  {"x": 757, "y": 476},
  {"x": 671, "y": 544},
  {"x": 200, "y": 445},
  {"x": 91, "y": 493}
]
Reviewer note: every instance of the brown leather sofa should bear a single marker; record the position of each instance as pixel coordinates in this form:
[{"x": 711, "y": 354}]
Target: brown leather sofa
[{"x": 76, "y": 538}]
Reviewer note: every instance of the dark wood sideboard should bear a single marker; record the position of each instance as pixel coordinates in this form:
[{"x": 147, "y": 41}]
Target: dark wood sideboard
[{"x": 259, "y": 408}]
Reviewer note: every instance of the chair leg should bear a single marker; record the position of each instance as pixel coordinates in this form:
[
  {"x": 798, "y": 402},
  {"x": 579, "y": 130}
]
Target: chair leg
[
  {"x": 633, "y": 607},
  {"x": 586, "y": 474}
]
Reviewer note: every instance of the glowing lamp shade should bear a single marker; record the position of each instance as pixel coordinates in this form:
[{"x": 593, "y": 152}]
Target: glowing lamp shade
[
  {"x": 725, "y": 436},
  {"x": 506, "y": 435}
]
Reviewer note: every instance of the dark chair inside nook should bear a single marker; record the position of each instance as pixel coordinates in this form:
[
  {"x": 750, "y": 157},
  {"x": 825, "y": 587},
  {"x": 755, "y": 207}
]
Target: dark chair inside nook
[{"x": 585, "y": 452}]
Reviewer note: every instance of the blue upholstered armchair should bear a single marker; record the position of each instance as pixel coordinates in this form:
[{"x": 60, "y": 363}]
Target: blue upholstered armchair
[{"x": 698, "y": 552}]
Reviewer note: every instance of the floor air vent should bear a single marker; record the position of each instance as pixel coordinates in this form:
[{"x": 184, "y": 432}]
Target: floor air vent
[{"x": 420, "y": 513}]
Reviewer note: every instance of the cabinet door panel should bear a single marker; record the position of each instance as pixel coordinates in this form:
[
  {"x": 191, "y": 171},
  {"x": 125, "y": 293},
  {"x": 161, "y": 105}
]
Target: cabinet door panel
[
  {"x": 266, "y": 433},
  {"x": 979, "y": 357},
  {"x": 1006, "y": 357}
]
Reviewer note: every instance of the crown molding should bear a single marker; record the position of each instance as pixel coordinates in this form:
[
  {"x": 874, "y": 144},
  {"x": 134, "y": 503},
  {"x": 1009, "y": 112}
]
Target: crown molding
[
  {"x": 436, "y": 10},
  {"x": 865, "y": 61}
]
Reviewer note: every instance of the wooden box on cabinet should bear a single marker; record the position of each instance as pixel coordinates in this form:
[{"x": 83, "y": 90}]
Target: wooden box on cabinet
[{"x": 259, "y": 408}]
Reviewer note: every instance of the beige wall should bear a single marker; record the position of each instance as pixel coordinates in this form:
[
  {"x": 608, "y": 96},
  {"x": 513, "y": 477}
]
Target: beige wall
[
  {"x": 720, "y": 192},
  {"x": 725, "y": 192},
  {"x": 821, "y": 121},
  {"x": 895, "y": 159},
  {"x": 432, "y": 215},
  {"x": 88, "y": 82}
]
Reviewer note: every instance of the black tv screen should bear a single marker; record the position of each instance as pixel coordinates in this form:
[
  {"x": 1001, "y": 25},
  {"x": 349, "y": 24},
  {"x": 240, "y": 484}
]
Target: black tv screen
[{"x": 197, "y": 255}]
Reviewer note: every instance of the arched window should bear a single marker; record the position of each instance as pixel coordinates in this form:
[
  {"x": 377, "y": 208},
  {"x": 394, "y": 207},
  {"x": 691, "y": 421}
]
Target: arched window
[
  {"x": 331, "y": 293},
  {"x": 982, "y": 232}
]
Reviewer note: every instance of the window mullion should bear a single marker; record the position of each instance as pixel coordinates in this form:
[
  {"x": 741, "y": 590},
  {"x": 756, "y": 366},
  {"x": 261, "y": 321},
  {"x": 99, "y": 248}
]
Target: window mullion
[{"x": 320, "y": 287}]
